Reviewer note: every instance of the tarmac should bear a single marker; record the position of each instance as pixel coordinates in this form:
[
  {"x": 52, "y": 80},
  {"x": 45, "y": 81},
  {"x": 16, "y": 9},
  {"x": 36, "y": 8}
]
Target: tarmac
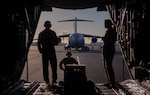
[{"x": 92, "y": 59}]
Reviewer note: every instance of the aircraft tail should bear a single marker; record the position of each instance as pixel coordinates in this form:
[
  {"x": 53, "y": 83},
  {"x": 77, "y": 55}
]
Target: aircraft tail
[{"x": 75, "y": 22}]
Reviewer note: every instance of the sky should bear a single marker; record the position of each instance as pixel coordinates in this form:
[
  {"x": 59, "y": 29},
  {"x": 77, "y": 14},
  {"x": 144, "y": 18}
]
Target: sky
[{"x": 57, "y": 14}]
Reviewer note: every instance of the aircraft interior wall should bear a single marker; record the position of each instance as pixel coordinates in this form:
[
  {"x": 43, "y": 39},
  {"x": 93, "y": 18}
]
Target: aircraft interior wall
[
  {"x": 16, "y": 37},
  {"x": 131, "y": 23},
  {"x": 131, "y": 19}
]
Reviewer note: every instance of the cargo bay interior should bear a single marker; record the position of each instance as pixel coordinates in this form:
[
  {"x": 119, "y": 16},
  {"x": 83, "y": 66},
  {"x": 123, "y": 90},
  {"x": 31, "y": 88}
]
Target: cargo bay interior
[{"x": 131, "y": 18}]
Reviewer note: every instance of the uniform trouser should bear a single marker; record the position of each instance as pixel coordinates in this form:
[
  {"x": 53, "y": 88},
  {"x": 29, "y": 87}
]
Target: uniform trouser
[
  {"x": 108, "y": 58},
  {"x": 53, "y": 63}
]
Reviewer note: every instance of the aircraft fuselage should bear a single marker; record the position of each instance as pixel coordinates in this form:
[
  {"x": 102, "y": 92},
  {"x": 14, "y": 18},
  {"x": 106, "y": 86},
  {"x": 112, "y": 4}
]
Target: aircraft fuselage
[{"x": 76, "y": 40}]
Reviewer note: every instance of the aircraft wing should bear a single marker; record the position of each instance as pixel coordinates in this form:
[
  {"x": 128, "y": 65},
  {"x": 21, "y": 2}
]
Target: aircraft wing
[
  {"x": 64, "y": 35},
  {"x": 76, "y": 19},
  {"x": 88, "y": 35},
  {"x": 85, "y": 35}
]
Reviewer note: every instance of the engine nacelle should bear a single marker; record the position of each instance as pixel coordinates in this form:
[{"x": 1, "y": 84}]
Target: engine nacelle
[
  {"x": 94, "y": 39},
  {"x": 59, "y": 40}
]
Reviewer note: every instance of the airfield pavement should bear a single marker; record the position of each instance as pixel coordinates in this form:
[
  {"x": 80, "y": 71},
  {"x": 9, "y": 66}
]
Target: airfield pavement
[{"x": 92, "y": 59}]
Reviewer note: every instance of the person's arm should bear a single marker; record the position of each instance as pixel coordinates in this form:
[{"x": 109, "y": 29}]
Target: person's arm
[
  {"x": 74, "y": 61},
  {"x": 39, "y": 45},
  {"x": 61, "y": 65},
  {"x": 103, "y": 38},
  {"x": 55, "y": 39}
]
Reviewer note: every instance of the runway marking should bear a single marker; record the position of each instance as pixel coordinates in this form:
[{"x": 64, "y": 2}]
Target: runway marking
[{"x": 78, "y": 60}]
